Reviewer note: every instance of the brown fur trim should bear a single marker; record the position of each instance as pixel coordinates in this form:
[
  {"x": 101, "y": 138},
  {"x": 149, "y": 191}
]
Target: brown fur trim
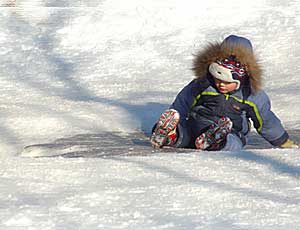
[{"x": 217, "y": 51}]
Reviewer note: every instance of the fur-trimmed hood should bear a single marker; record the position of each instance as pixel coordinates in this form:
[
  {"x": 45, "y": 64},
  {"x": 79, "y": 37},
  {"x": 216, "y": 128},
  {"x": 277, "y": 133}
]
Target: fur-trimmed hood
[{"x": 241, "y": 48}]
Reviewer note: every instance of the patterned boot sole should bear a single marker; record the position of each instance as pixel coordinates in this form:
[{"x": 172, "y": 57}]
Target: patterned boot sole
[
  {"x": 215, "y": 134},
  {"x": 167, "y": 122}
]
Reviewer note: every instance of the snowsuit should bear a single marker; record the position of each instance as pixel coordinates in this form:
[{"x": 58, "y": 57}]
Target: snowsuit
[{"x": 200, "y": 104}]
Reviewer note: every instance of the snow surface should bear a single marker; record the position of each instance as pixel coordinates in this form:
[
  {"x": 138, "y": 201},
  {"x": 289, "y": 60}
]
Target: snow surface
[{"x": 84, "y": 67}]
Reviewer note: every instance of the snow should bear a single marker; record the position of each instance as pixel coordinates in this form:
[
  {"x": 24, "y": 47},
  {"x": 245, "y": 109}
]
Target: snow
[
  {"x": 88, "y": 67},
  {"x": 233, "y": 190}
]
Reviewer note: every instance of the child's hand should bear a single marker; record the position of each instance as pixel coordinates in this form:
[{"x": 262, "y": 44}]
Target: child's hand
[{"x": 290, "y": 144}]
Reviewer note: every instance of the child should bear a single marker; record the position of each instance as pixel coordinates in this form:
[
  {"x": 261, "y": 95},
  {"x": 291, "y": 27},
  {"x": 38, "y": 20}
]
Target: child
[{"x": 213, "y": 112}]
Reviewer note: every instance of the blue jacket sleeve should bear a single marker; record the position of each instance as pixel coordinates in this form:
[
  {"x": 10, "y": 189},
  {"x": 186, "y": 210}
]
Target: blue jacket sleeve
[
  {"x": 266, "y": 122},
  {"x": 184, "y": 101}
]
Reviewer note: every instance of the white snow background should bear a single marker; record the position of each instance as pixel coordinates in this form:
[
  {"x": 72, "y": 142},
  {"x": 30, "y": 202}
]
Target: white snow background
[{"x": 82, "y": 67}]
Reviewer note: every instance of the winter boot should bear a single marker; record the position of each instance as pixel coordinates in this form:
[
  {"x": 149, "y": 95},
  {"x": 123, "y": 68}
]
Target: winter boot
[
  {"x": 165, "y": 130},
  {"x": 214, "y": 138}
]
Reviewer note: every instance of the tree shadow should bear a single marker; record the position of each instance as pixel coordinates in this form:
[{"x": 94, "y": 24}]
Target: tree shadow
[
  {"x": 64, "y": 71},
  {"x": 8, "y": 137},
  {"x": 208, "y": 183},
  {"x": 189, "y": 221},
  {"x": 276, "y": 165}
]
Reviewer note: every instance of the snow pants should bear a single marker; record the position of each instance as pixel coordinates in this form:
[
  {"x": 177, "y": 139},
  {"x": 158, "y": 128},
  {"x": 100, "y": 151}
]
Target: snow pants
[{"x": 186, "y": 139}]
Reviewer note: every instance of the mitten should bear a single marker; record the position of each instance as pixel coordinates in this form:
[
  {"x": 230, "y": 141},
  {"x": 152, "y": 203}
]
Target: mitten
[{"x": 290, "y": 144}]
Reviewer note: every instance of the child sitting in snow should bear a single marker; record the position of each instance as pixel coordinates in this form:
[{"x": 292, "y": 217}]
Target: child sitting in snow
[{"x": 212, "y": 112}]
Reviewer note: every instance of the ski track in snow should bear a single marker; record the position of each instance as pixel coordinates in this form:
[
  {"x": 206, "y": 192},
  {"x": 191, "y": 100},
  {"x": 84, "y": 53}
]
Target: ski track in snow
[{"x": 93, "y": 67}]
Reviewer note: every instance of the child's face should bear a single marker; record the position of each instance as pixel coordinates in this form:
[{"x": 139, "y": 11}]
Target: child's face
[{"x": 224, "y": 86}]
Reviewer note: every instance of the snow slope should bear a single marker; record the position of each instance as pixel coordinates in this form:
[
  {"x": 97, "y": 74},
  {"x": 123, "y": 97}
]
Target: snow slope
[{"x": 83, "y": 67}]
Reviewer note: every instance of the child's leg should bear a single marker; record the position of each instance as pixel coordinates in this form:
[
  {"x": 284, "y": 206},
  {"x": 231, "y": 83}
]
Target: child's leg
[
  {"x": 168, "y": 131},
  {"x": 164, "y": 132},
  {"x": 214, "y": 137},
  {"x": 233, "y": 143},
  {"x": 183, "y": 137}
]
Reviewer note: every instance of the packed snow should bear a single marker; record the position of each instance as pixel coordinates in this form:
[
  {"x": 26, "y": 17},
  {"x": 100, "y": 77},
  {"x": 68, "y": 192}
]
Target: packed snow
[{"x": 93, "y": 67}]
